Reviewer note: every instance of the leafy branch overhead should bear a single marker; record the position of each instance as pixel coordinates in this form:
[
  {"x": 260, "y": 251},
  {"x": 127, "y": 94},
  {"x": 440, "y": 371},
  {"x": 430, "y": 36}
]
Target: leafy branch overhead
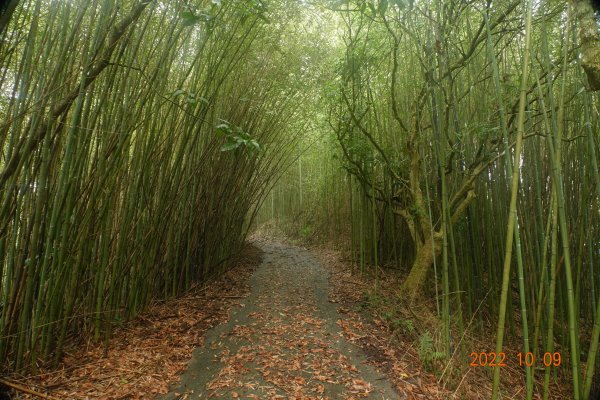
[
  {"x": 236, "y": 138},
  {"x": 189, "y": 98}
]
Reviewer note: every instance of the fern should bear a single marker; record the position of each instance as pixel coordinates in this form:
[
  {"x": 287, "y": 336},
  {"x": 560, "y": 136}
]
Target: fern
[{"x": 427, "y": 351}]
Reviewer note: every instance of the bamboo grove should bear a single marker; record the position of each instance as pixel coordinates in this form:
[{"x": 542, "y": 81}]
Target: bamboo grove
[
  {"x": 462, "y": 148},
  {"x": 456, "y": 141},
  {"x": 138, "y": 139}
]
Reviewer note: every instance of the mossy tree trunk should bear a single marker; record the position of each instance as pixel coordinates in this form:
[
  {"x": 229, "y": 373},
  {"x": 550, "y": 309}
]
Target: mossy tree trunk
[{"x": 589, "y": 39}]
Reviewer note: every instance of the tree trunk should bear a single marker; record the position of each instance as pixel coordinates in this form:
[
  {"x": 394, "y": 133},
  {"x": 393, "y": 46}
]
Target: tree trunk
[
  {"x": 590, "y": 42},
  {"x": 6, "y": 11},
  {"x": 423, "y": 260}
]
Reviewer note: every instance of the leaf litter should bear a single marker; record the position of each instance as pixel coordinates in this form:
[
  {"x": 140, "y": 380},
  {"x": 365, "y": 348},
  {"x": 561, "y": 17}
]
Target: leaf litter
[
  {"x": 392, "y": 349},
  {"x": 148, "y": 354},
  {"x": 283, "y": 343},
  {"x": 286, "y": 348}
]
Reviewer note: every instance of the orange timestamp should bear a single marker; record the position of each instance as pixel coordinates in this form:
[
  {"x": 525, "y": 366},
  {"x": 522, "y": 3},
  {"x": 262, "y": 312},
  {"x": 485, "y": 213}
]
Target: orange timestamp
[{"x": 492, "y": 359}]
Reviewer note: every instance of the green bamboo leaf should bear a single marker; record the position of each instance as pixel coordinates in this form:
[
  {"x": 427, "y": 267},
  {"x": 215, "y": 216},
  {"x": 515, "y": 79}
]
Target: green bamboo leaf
[
  {"x": 383, "y": 5},
  {"x": 222, "y": 129},
  {"x": 179, "y": 92},
  {"x": 264, "y": 18},
  {"x": 400, "y": 3},
  {"x": 373, "y": 10},
  {"x": 190, "y": 18},
  {"x": 230, "y": 146},
  {"x": 255, "y": 144}
]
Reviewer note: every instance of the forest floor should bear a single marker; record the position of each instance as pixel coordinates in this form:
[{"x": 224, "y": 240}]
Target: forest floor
[
  {"x": 283, "y": 323},
  {"x": 149, "y": 353},
  {"x": 283, "y": 342}
]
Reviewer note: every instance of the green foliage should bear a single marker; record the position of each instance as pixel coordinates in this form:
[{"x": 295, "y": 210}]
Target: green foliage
[
  {"x": 190, "y": 98},
  {"x": 306, "y": 231},
  {"x": 189, "y": 18},
  {"x": 415, "y": 211},
  {"x": 372, "y": 299},
  {"x": 256, "y": 8},
  {"x": 428, "y": 352},
  {"x": 358, "y": 148},
  {"x": 236, "y": 138},
  {"x": 400, "y": 3},
  {"x": 406, "y": 326},
  {"x": 115, "y": 189},
  {"x": 383, "y": 6}
]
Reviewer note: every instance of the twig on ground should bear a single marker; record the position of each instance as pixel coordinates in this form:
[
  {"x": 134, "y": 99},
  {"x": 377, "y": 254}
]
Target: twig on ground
[{"x": 20, "y": 388}]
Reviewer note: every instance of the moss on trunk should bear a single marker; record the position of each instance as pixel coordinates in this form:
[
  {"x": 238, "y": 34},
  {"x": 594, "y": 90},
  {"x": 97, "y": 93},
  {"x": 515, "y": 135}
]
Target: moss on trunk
[
  {"x": 589, "y": 40},
  {"x": 415, "y": 281}
]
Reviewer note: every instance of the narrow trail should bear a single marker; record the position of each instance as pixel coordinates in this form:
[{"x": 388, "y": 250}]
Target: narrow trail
[{"x": 282, "y": 342}]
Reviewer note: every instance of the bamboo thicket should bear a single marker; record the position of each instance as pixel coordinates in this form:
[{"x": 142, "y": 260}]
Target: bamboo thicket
[{"x": 137, "y": 138}]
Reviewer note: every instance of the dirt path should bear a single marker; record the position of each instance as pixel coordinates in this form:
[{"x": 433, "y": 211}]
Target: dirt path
[{"x": 283, "y": 342}]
